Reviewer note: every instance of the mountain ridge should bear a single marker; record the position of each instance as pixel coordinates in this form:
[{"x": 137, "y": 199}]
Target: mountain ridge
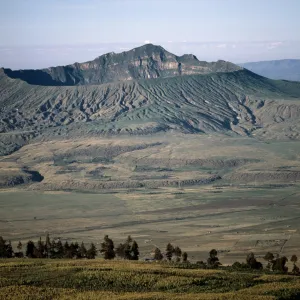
[
  {"x": 145, "y": 62},
  {"x": 284, "y": 69}
]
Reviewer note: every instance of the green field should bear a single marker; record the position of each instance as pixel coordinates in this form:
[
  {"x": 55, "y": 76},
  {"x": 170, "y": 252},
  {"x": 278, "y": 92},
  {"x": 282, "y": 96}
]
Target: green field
[{"x": 98, "y": 279}]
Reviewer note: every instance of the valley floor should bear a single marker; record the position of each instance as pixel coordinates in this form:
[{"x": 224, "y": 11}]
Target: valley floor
[{"x": 199, "y": 192}]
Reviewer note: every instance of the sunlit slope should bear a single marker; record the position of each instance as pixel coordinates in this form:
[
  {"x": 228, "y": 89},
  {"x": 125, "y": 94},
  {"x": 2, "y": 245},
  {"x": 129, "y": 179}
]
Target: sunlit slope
[{"x": 238, "y": 102}]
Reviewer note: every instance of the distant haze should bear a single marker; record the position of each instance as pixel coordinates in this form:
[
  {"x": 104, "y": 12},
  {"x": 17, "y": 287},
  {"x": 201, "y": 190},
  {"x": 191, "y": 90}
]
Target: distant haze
[{"x": 37, "y": 34}]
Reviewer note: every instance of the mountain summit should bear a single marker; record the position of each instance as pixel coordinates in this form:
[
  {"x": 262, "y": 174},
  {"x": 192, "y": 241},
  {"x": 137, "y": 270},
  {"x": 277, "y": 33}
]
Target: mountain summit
[{"x": 145, "y": 62}]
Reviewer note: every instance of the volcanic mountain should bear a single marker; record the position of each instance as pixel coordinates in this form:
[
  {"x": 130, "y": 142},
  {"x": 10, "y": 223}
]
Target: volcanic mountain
[
  {"x": 143, "y": 91},
  {"x": 146, "y": 62}
]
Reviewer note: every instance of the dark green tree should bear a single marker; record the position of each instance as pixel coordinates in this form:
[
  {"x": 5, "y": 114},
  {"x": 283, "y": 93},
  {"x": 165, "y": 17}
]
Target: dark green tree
[
  {"x": 67, "y": 250},
  {"x": 107, "y": 248},
  {"x": 40, "y": 251},
  {"x": 30, "y": 249},
  {"x": 157, "y": 254},
  {"x": 184, "y": 257},
  {"x": 48, "y": 246},
  {"x": 213, "y": 260},
  {"x": 120, "y": 250},
  {"x": 135, "y": 251},
  {"x": 294, "y": 259},
  {"x": 269, "y": 257},
  {"x": 252, "y": 262},
  {"x": 279, "y": 264},
  {"x": 19, "y": 253},
  {"x": 177, "y": 253},
  {"x": 6, "y": 250},
  {"x": 91, "y": 252},
  {"x": 169, "y": 251},
  {"x": 82, "y": 251}
]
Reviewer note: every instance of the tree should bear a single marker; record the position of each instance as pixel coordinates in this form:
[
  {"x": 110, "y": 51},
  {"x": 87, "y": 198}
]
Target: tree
[
  {"x": 213, "y": 260},
  {"x": 295, "y": 270},
  {"x": 48, "y": 246},
  {"x": 6, "y": 250},
  {"x": 67, "y": 250},
  {"x": 19, "y": 253},
  {"x": 157, "y": 254},
  {"x": 252, "y": 262},
  {"x": 294, "y": 259},
  {"x": 40, "y": 251},
  {"x": 269, "y": 257},
  {"x": 135, "y": 251},
  {"x": 120, "y": 250},
  {"x": 91, "y": 252},
  {"x": 279, "y": 264},
  {"x": 184, "y": 257},
  {"x": 107, "y": 248},
  {"x": 177, "y": 253},
  {"x": 30, "y": 249},
  {"x": 129, "y": 250},
  {"x": 169, "y": 251},
  {"x": 82, "y": 251}
]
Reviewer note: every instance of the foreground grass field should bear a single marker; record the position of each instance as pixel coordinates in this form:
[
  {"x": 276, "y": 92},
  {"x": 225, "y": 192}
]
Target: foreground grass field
[{"x": 98, "y": 279}]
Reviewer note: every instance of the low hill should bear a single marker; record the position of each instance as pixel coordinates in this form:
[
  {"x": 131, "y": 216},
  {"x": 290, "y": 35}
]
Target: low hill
[{"x": 288, "y": 69}]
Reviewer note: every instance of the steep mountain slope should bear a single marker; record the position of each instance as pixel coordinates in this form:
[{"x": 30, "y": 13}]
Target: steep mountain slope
[
  {"x": 194, "y": 103},
  {"x": 148, "y": 61},
  {"x": 288, "y": 69}
]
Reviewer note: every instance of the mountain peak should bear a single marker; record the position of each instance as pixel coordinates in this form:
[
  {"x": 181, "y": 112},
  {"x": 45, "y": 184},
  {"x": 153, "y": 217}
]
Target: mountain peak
[{"x": 145, "y": 62}]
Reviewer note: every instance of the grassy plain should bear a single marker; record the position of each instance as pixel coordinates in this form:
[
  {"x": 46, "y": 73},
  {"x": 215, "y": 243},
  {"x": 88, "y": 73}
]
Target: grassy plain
[
  {"x": 98, "y": 279},
  {"x": 152, "y": 188}
]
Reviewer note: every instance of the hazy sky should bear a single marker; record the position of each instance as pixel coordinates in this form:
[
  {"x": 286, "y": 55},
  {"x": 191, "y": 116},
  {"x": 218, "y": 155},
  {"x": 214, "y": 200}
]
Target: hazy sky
[{"x": 41, "y": 33}]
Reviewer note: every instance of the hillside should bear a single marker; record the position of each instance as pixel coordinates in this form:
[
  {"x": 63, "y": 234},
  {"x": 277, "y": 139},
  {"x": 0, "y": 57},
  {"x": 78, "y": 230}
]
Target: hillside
[
  {"x": 98, "y": 279},
  {"x": 148, "y": 61},
  {"x": 287, "y": 69}
]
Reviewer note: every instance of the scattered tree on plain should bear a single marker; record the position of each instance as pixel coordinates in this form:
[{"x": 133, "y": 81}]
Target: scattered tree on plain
[
  {"x": 157, "y": 254},
  {"x": 107, "y": 248}
]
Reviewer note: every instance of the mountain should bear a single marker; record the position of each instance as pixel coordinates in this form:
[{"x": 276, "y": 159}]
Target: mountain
[
  {"x": 288, "y": 69},
  {"x": 149, "y": 90},
  {"x": 145, "y": 62}
]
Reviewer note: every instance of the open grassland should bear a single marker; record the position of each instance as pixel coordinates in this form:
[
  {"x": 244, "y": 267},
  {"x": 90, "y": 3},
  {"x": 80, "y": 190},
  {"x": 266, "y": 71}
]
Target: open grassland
[
  {"x": 196, "y": 191},
  {"x": 232, "y": 220},
  {"x": 98, "y": 279}
]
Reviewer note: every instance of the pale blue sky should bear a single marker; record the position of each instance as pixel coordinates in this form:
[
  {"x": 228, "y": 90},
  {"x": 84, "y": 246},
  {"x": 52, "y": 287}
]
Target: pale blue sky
[{"x": 40, "y": 33}]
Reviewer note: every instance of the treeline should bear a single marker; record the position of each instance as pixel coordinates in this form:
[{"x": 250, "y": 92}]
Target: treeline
[{"x": 129, "y": 250}]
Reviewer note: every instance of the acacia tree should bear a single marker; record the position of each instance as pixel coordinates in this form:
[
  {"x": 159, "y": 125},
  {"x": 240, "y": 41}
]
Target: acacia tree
[{"x": 107, "y": 248}]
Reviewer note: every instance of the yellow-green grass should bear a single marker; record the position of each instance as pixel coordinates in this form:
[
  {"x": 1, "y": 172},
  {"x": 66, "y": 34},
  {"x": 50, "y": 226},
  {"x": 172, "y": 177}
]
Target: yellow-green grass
[{"x": 99, "y": 279}]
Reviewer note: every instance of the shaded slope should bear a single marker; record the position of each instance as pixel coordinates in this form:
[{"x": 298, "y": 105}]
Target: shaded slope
[{"x": 145, "y": 62}]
